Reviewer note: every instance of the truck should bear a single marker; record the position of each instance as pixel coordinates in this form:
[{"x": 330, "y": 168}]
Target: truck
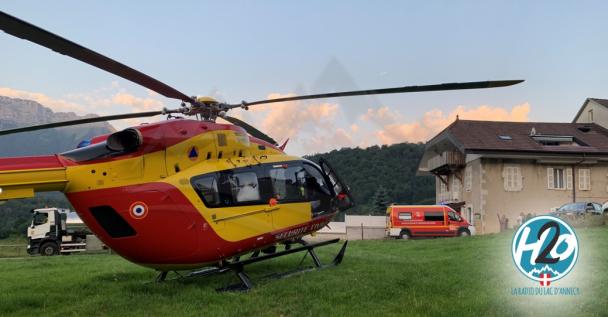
[
  {"x": 56, "y": 231},
  {"x": 404, "y": 222}
]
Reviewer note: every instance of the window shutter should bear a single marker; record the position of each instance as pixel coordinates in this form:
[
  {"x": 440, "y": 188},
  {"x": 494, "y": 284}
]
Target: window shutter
[
  {"x": 568, "y": 178},
  {"x": 505, "y": 177},
  {"x": 468, "y": 175},
  {"x": 512, "y": 179},
  {"x": 550, "y": 178},
  {"x": 584, "y": 178},
  {"x": 455, "y": 188},
  {"x": 519, "y": 184}
]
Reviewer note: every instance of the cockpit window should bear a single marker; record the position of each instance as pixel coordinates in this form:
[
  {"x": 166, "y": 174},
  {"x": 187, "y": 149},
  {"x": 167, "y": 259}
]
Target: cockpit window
[
  {"x": 315, "y": 182},
  {"x": 244, "y": 187},
  {"x": 288, "y": 182},
  {"x": 207, "y": 188},
  {"x": 231, "y": 188}
]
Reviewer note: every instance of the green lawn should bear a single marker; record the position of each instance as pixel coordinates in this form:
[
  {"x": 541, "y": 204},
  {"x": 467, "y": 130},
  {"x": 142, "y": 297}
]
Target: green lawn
[{"x": 438, "y": 277}]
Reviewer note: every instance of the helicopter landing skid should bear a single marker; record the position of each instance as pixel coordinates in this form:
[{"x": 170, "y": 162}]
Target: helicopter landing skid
[{"x": 238, "y": 266}]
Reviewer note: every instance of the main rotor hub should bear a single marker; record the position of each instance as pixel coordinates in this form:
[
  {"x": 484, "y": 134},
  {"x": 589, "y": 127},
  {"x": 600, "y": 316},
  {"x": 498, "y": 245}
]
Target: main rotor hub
[
  {"x": 206, "y": 100},
  {"x": 207, "y": 107}
]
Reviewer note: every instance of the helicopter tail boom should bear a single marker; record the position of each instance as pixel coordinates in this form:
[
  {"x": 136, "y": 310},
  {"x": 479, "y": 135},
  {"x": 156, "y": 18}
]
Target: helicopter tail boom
[{"x": 21, "y": 177}]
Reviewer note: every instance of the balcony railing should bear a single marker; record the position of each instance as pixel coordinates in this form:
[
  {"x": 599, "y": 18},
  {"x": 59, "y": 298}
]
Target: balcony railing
[{"x": 446, "y": 160}]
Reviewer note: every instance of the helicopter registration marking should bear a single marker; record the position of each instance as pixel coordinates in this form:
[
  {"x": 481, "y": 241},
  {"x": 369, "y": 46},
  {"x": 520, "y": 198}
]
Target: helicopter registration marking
[{"x": 298, "y": 231}]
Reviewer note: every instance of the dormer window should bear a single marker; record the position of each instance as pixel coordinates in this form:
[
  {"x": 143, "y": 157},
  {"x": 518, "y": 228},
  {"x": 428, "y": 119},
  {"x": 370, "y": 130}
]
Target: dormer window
[{"x": 557, "y": 140}]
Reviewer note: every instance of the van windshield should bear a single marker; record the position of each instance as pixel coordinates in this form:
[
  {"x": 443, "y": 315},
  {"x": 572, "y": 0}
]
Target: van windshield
[{"x": 453, "y": 216}]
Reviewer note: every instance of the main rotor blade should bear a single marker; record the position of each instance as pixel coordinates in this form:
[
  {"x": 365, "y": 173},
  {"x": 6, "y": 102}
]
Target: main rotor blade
[
  {"x": 30, "y": 32},
  {"x": 439, "y": 87},
  {"x": 82, "y": 121},
  {"x": 250, "y": 129}
]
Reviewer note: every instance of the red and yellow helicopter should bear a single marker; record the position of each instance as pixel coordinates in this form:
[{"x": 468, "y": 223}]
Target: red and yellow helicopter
[{"x": 187, "y": 193}]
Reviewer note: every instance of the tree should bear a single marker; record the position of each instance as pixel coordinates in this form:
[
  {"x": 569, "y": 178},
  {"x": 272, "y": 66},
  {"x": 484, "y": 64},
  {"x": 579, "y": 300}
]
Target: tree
[
  {"x": 392, "y": 167},
  {"x": 380, "y": 201}
]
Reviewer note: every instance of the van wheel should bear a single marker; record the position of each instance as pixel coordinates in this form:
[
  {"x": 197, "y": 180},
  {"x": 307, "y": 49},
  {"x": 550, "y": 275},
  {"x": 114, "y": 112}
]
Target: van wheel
[
  {"x": 49, "y": 248},
  {"x": 405, "y": 235},
  {"x": 464, "y": 233}
]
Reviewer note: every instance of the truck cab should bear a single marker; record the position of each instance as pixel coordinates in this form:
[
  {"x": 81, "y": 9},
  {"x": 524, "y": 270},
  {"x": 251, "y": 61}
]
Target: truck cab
[
  {"x": 56, "y": 231},
  {"x": 404, "y": 222}
]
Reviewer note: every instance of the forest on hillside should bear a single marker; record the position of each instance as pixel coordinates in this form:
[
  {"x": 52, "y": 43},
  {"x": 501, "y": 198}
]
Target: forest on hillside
[
  {"x": 381, "y": 175},
  {"x": 377, "y": 176}
]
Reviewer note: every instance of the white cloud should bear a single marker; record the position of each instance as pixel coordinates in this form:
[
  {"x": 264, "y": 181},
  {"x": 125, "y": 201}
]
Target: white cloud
[
  {"x": 57, "y": 105},
  {"x": 284, "y": 120},
  {"x": 313, "y": 127},
  {"x": 432, "y": 122}
]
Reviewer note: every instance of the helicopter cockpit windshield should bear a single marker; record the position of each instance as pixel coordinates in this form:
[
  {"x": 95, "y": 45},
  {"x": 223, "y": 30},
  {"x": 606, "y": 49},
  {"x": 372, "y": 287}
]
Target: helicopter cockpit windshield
[{"x": 285, "y": 182}]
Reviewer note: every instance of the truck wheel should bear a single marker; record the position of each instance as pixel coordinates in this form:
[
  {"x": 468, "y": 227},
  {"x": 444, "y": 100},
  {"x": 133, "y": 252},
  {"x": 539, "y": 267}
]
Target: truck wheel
[
  {"x": 49, "y": 248},
  {"x": 405, "y": 235},
  {"x": 464, "y": 233}
]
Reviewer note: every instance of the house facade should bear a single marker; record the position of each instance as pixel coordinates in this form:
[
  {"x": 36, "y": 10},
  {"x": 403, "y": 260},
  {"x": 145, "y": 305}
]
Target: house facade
[
  {"x": 594, "y": 110},
  {"x": 499, "y": 170}
]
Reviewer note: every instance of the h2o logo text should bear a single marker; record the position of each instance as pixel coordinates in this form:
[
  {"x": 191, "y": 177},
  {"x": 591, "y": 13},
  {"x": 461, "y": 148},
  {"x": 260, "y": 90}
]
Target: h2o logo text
[{"x": 545, "y": 249}]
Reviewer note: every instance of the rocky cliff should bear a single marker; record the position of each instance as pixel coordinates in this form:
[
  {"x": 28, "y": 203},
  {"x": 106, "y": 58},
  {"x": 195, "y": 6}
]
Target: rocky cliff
[{"x": 19, "y": 113}]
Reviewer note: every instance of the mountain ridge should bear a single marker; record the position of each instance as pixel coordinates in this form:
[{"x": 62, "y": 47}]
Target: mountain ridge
[{"x": 16, "y": 113}]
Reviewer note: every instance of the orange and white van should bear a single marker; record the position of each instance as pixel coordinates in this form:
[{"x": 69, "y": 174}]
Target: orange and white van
[{"x": 404, "y": 222}]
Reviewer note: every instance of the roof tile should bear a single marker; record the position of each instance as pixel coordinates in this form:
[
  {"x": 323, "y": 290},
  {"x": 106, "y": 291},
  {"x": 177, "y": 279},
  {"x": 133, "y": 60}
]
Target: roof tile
[{"x": 484, "y": 135}]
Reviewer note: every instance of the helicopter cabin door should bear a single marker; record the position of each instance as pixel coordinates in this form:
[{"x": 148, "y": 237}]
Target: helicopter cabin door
[{"x": 345, "y": 199}]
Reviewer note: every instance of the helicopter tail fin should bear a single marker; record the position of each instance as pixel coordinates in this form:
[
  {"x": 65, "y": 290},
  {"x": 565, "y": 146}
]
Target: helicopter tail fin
[
  {"x": 21, "y": 177},
  {"x": 282, "y": 147}
]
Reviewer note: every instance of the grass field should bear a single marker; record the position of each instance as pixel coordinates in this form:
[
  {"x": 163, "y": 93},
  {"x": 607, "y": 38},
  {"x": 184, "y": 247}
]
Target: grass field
[{"x": 439, "y": 277}]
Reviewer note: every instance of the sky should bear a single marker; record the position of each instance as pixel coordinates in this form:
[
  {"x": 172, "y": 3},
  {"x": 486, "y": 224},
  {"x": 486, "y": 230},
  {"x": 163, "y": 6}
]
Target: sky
[{"x": 251, "y": 50}]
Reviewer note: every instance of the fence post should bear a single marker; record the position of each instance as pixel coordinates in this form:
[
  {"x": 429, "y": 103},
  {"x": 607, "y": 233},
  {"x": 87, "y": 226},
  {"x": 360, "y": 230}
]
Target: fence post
[{"x": 361, "y": 231}]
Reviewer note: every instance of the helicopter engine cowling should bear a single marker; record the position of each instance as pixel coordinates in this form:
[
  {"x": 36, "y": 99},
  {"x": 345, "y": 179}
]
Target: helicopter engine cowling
[{"x": 124, "y": 141}]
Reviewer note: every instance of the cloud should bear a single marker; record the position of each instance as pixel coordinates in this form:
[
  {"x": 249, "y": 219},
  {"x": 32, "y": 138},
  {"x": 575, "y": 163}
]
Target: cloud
[
  {"x": 137, "y": 103},
  {"x": 312, "y": 126},
  {"x": 315, "y": 127},
  {"x": 432, "y": 122},
  {"x": 328, "y": 140},
  {"x": 284, "y": 120},
  {"x": 57, "y": 105}
]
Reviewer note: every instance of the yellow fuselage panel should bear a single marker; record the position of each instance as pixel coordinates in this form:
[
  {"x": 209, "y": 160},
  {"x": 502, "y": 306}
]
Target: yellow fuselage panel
[
  {"x": 24, "y": 183},
  {"x": 241, "y": 222},
  {"x": 177, "y": 164}
]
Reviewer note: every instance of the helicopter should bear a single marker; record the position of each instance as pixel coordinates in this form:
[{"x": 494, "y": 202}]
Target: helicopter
[{"x": 188, "y": 194}]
